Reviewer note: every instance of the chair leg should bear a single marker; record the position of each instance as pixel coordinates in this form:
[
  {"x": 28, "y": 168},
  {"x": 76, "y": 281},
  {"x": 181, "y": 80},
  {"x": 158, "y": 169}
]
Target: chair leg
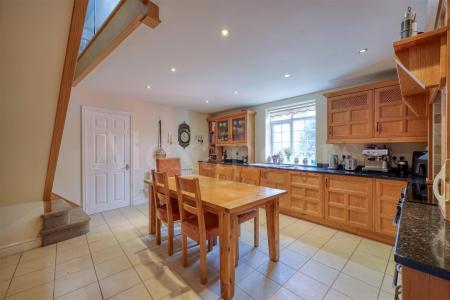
[
  {"x": 170, "y": 238},
  {"x": 256, "y": 230},
  {"x": 184, "y": 249},
  {"x": 236, "y": 261},
  {"x": 158, "y": 231},
  {"x": 203, "y": 266}
]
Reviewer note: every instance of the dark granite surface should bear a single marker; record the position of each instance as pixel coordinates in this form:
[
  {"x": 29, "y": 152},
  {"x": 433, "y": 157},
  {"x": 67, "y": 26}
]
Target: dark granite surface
[{"x": 423, "y": 240}]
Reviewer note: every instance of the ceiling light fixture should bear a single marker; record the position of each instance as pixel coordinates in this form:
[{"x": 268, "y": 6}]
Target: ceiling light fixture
[
  {"x": 287, "y": 75},
  {"x": 173, "y": 69},
  {"x": 206, "y": 101},
  {"x": 363, "y": 50},
  {"x": 149, "y": 86},
  {"x": 235, "y": 92},
  {"x": 224, "y": 32}
]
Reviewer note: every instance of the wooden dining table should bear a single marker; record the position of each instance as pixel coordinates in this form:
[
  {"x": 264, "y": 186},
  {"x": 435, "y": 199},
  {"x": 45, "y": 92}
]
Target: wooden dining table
[{"x": 228, "y": 199}]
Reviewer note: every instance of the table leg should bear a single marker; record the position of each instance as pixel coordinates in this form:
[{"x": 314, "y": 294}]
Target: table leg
[
  {"x": 273, "y": 233},
  {"x": 227, "y": 232},
  {"x": 152, "y": 211}
]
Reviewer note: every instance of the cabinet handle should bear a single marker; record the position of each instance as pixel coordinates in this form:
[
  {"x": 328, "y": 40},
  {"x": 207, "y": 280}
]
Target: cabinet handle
[
  {"x": 378, "y": 127},
  {"x": 326, "y": 181},
  {"x": 329, "y": 130}
]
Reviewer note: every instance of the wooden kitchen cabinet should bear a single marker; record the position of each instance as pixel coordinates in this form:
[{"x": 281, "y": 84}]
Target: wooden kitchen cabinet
[
  {"x": 395, "y": 119},
  {"x": 306, "y": 193},
  {"x": 420, "y": 285},
  {"x": 350, "y": 116},
  {"x": 386, "y": 196},
  {"x": 278, "y": 179},
  {"x": 206, "y": 169},
  {"x": 348, "y": 201}
]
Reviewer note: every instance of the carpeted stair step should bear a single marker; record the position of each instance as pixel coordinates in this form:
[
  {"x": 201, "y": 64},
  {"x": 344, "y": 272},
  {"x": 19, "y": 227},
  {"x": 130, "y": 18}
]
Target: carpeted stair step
[
  {"x": 78, "y": 224},
  {"x": 58, "y": 216}
]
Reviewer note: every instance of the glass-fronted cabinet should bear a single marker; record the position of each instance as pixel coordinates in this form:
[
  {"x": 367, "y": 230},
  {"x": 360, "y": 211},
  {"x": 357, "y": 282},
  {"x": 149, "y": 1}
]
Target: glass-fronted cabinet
[
  {"x": 238, "y": 128},
  {"x": 223, "y": 131}
]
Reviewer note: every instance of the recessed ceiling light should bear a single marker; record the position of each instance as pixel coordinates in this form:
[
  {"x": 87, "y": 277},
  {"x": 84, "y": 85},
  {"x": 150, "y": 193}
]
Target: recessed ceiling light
[
  {"x": 287, "y": 75},
  {"x": 206, "y": 101},
  {"x": 224, "y": 32},
  {"x": 149, "y": 86},
  {"x": 173, "y": 69},
  {"x": 363, "y": 50},
  {"x": 235, "y": 92}
]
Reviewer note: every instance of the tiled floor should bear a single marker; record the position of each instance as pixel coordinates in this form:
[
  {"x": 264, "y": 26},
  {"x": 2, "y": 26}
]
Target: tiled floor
[{"x": 119, "y": 260}]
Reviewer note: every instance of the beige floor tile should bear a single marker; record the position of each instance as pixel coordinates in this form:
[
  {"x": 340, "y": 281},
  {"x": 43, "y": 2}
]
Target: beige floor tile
[
  {"x": 7, "y": 272},
  {"x": 255, "y": 258},
  {"x": 118, "y": 282},
  {"x": 150, "y": 270},
  {"x": 375, "y": 248},
  {"x": 107, "y": 254},
  {"x": 322, "y": 231},
  {"x": 74, "y": 281},
  {"x": 344, "y": 251},
  {"x": 34, "y": 265},
  {"x": 71, "y": 253},
  {"x": 330, "y": 259},
  {"x": 211, "y": 291},
  {"x": 278, "y": 272},
  {"x": 258, "y": 286},
  {"x": 185, "y": 294},
  {"x": 102, "y": 244},
  {"x": 164, "y": 284},
  {"x": 99, "y": 235},
  {"x": 31, "y": 280},
  {"x": 292, "y": 258},
  {"x": 48, "y": 251},
  {"x": 89, "y": 292},
  {"x": 307, "y": 244},
  {"x": 354, "y": 288},
  {"x": 285, "y": 294},
  {"x": 112, "y": 266},
  {"x": 71, "y": 243},
  {"x": 243, "y": 269},
  {"x": 306, "y": 287},
  {"x": 364, "y": 273},
  {"x": 10, "y": 260},
  {"x": 138, "y": 292},
  {"x": 373, "y": 262},
  {"x": 335, "y": 295},
  {"x": 385, "y": 295},
  {"x": 320, "y": 272},
  {"x": 145, "y": 256},
  {"x": 41, "y": 292},
  {"x": 387, "y": 284},
  {"x": 73, "y": 266},
  {"x": 4, "y": 287},
  {"x": 390, "y": 269},
  {"x": 133, "y": 245}
]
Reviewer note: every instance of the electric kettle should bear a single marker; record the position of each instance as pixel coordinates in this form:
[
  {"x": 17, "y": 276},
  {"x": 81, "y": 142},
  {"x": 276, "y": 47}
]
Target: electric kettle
[{"x": 333, "y": 162}]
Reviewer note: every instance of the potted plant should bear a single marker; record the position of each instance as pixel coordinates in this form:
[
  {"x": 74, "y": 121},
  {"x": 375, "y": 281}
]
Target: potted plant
[{"x": 288, "y": 154}]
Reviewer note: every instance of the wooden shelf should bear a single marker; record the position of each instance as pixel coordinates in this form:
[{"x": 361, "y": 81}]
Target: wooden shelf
[{"x": 421, "y": 63}]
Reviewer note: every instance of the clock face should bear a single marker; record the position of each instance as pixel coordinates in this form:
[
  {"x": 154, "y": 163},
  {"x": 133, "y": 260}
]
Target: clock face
[{"x": 184, "y": 137}]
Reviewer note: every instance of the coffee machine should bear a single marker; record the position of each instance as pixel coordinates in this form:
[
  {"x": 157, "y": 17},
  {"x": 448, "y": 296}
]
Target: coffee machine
[{"x": 376, "y": 158}]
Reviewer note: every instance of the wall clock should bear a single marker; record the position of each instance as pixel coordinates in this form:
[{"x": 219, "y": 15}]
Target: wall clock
[{"x": 184, "y": 135}]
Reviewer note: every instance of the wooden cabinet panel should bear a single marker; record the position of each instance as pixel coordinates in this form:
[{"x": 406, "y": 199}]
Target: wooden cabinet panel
[
  {"x": 386, "y": 195},
  {"x": 350, "y": 116},
  {"x": 306, "y": 193},
  {"x": 420, "y": 285},
  {"x": 207, "y": 169},
  {"x": 348, "y": 200},
  {"x": 277, "y": 179},
  {"x": 239, "y": 129},
  {"x": 393, "y": 118}
]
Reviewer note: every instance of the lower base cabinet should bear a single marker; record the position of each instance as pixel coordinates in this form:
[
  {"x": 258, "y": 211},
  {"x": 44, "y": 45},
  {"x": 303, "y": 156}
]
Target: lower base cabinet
[
  {"x": 419, "y": 285},
  {"x": 306, "y": 190},
  {"x": 278, "y": 179}
]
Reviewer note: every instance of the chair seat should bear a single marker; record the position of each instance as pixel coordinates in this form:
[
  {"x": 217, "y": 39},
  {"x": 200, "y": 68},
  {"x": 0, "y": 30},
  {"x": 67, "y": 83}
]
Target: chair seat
[
  {"x": 248, "y": 215},
  {"x": 211, "y": 224},
  {"x": 162, "y": 213}
]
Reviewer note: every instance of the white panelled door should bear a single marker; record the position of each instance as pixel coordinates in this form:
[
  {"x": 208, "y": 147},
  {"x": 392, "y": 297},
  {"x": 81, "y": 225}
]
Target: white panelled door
[{"x": 106, "y": 159}]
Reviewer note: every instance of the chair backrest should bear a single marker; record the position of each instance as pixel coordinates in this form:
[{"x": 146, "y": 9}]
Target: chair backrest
[
  {"x": 161, "y": 192},
  {"x": 190, "y": 200},
  {"x": 224, "y": 172},
  {"x": 170, "y": 165},
  {"x": 250, "y": 175}
]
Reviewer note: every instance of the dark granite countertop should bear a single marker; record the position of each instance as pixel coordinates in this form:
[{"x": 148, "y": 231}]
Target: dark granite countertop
[{"x": 423, "y": 240}]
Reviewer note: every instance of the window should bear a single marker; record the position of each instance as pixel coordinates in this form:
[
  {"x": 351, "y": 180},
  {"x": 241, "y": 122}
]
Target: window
[{"x": 293, "y": 132}]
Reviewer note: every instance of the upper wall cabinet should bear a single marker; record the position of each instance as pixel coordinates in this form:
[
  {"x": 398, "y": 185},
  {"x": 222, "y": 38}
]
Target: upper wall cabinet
[{"x": 376, "y": 113}]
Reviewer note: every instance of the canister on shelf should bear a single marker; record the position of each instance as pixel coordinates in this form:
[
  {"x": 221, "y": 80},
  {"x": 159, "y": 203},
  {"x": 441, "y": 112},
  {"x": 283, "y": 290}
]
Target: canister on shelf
[{"x": 409, "y": 24}]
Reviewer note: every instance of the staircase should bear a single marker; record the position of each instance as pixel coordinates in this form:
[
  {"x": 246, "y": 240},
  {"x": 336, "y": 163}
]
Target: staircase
[{"x": 63, "y": 223}]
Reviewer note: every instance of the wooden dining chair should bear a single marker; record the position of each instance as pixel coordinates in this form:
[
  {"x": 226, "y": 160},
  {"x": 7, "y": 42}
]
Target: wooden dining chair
[
  {"x": 196, "y": 224},
  {"x": 224, "y": 172},
  {"x": 170, "y": 165},
  {"x": 249, "y": 176},
  {"x": 167, "y": 212}
]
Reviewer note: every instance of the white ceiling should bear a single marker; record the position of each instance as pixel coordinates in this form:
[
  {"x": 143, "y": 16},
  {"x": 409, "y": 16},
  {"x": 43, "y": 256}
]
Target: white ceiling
[{"x": 316, "y": 41}]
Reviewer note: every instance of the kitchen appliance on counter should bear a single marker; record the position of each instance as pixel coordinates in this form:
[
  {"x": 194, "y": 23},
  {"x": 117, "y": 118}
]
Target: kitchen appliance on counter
[
  {"x": 376, "y": 159},
  {"x": 420, "y": 163},
  {"x": 402, "y": 166},
  {"x": 333, "y": 162},
  {"x": 350, "y": 163}
]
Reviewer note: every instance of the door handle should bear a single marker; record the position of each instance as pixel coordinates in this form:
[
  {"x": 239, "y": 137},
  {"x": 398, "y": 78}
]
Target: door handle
[{"x": 127, "y": 167}]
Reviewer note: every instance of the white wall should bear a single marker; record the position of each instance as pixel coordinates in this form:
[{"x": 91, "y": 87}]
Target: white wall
[
  {"x": 33, "y": 45},
  {"x": 145, "y": 115},
  {"x": 322, "y": 148}
]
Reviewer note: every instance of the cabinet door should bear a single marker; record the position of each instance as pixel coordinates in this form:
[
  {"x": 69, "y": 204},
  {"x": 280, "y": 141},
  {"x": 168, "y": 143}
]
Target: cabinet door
[
  {"x": 350, "y": 116},
  {"x": 387, "y": 193},
  {"x": 393, "y": 118},
  {"x": 348, "y": 200},
  {"x": 206, "y": 169},
  {"x": 223, "y": 131},
  {"x": 239, "y": 129},
  {"x": 306, "y": 193},
  {"x": 279, "y": 180}
]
